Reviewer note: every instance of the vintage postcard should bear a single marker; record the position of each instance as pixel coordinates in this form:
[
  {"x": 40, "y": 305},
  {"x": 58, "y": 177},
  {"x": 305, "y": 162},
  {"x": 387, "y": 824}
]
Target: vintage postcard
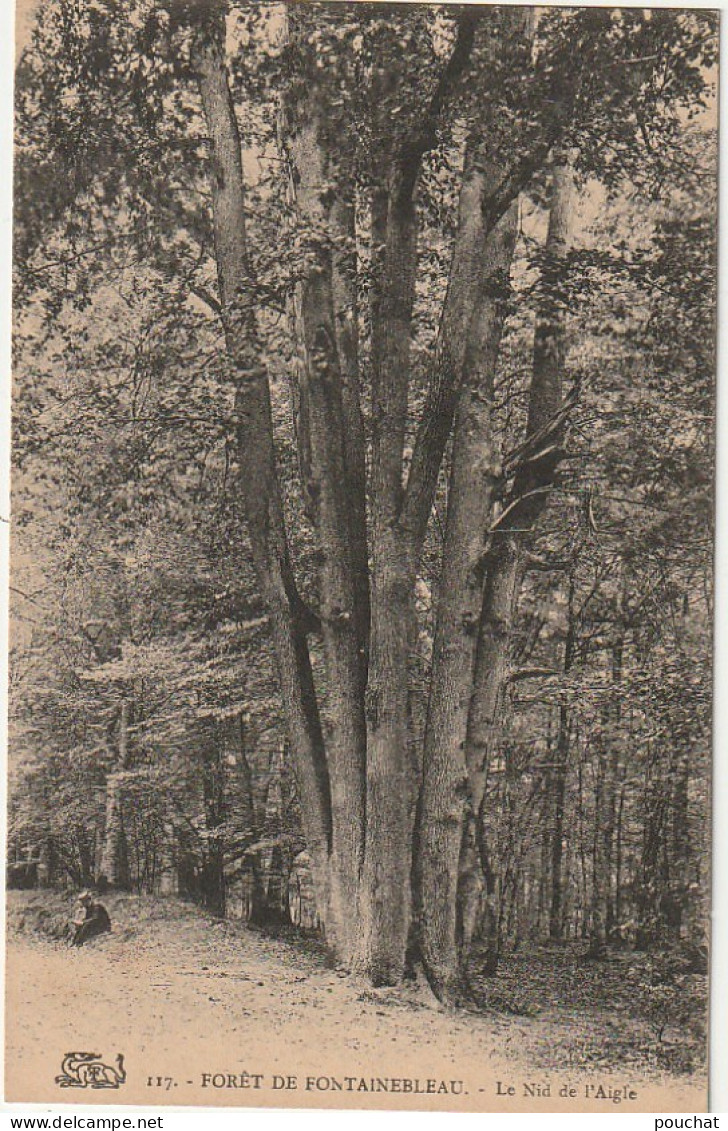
[{"x": 362, "y": 539}]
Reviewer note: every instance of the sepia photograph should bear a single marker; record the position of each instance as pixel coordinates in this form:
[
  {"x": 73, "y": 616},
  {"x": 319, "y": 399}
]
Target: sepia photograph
[{"x": 361, "y": 555}]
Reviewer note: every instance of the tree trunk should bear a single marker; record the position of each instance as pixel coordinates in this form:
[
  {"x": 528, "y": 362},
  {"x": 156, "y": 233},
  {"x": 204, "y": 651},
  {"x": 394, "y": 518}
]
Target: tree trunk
[
  {"x": 584, "y": 886},
  {"x": 600, "y": 878},
  {"x": 608, "y": 748},
  {"x": 558, "y": 781},
  {"x": 363, "y": 775},
  {"x": 390, "y": 781},
  {"x": 619, "y": 863},
  {"x": 392, "y": 773},
  {"x": 212, "y": 876},
  {"x": 47, "y": 864},
  {"x": 340, "y": 589},
  {"x": 258, "y": 481},
  {"x": 168, "y": 862},
  {"x": 86, "y": 848},
  {"x": 474, "y": 477},
  {"x": 398, "y": 532},
  {"x": 479, "y": 214},
  {"x": 114, "y": 858},
  {"x": 505, "y": 565},
  {"x": 386, "y": 891},
  {"x": 679, "y": 846},
  {"x": 478, "y": 907},
  {"x": 344, "y": 286}
]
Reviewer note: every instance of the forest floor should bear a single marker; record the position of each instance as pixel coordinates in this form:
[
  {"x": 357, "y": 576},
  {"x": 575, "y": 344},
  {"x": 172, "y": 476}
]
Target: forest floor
[{"x": 183, "y": 996}]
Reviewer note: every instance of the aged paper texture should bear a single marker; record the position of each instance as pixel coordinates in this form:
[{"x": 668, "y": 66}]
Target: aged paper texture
[{"x": 361, "y": 584}]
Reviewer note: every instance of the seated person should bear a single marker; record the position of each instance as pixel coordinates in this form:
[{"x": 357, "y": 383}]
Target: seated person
[{"x": 90, "y": 918}]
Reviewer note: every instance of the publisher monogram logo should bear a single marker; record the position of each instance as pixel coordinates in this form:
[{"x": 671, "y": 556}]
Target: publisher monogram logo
[{"x": 87, "y": 1070}]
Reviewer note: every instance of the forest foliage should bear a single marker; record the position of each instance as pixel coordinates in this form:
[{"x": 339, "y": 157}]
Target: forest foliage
[{"x": 363, "y": 446}]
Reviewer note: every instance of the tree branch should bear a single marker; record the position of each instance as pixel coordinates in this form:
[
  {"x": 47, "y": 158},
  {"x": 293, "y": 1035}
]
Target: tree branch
[
  {"x": 424, "y": 138},
  {"x": 531, "y": 673},
  {"x": 204, "y": 295}
]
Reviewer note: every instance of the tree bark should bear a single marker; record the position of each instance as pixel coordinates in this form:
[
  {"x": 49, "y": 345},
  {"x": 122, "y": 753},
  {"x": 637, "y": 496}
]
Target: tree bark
[
  {"x": 391, "y": 774},
  {"x": 169, "y": 862},
  {"x": 386, "y": 893},
  {"x": 505, "y": 564},
  {"x": 212, "y": 878},
  {"x": 344, "y": 286},
  {"x": 605, "y": 802},
  {"x": 362, "y": 775},
  {"x": 340, "y": 588},
  {"x": 600, "y": 876},
  {"x": 558, "y": 785},
  {"x": 258, "y": 481},
  {"x": 114, "y": 857},
  {"x": 469, "y": 260},
  {"x": 474, "y": 478},
  {"x": 255, "y": 908}
]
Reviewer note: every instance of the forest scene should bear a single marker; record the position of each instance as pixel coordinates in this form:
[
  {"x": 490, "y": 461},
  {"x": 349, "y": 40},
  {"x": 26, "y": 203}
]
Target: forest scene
[{"x": 362, "y": 515}]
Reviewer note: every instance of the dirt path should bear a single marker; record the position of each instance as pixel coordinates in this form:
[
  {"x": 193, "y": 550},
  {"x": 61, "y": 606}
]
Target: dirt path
[{"x": 202, "y": 1004}]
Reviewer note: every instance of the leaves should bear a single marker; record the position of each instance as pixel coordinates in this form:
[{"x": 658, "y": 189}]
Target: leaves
[{"x": 132, "y": 562}]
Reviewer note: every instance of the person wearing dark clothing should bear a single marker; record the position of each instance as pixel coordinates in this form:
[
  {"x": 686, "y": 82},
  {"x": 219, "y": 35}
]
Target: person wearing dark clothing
[{"x": 90, "y": 919}]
